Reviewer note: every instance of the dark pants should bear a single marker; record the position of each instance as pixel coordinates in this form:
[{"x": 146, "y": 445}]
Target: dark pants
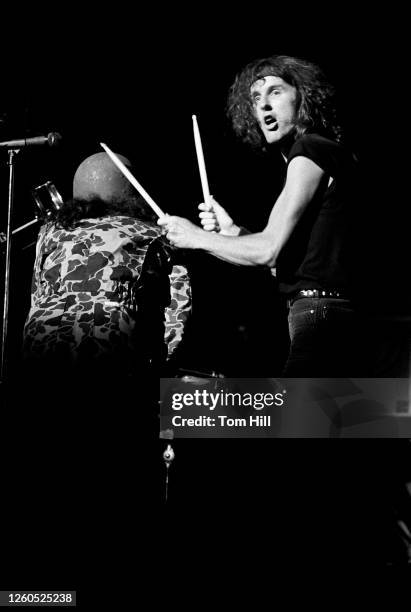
[{"x": 325, "y": 339}]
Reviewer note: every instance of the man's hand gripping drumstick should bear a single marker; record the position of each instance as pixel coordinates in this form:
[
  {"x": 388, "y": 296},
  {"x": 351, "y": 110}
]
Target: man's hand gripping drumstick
[{"x": 213, "y": 217}]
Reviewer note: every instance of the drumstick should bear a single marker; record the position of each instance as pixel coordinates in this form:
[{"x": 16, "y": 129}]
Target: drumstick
[
  {"x": 133, "y": 180},
  {"x": 201, "y": 164}
]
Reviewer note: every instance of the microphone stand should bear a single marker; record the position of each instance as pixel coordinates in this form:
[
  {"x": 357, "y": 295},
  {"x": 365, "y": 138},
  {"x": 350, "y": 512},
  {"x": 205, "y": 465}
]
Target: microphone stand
[{"x": 10, "y": 163}]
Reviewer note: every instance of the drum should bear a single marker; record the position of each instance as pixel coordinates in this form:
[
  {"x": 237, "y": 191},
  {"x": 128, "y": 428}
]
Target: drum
[{"x": 47, "y": 199}]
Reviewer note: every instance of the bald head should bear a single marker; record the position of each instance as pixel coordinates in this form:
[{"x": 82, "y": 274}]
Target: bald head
[{"x": 98, "y": 177}]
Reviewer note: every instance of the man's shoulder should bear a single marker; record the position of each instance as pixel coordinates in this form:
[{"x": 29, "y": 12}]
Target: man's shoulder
[
  {"x": 129, "y": 221},
  {"x": 315, "y": 141},
  {"x": 330, "y": 155},
  {"x": 123, "y": 224}
]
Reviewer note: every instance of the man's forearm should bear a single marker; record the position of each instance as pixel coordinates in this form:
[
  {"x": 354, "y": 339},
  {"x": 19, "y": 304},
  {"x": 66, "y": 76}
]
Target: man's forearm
[{"x": 249, "y": 250}]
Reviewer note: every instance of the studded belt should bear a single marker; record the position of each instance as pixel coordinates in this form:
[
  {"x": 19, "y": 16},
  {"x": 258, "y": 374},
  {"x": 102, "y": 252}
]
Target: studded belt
[{"x": 318, "y": 293}]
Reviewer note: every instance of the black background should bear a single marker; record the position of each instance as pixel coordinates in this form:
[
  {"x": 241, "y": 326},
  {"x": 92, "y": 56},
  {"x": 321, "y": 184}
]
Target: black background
[{"x": 133, "y": 80}]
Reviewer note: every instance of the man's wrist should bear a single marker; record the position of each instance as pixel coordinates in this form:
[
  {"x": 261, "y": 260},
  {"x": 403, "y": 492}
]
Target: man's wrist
[{"x": 203, "y": 241}]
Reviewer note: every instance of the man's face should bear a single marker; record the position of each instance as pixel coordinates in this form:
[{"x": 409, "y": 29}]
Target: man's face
[{"x": 275, "y": 107}]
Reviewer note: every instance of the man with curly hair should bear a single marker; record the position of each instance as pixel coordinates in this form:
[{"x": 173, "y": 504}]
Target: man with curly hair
[{"x": 286, "y": 102}]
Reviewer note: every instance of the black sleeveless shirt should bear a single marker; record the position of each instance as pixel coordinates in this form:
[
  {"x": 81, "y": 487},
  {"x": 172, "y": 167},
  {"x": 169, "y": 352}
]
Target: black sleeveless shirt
[{"x": 321, "y": 252}]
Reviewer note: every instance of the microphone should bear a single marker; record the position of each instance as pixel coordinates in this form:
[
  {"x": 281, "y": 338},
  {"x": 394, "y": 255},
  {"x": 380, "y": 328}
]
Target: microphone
[{"x": 51, "y": 139}]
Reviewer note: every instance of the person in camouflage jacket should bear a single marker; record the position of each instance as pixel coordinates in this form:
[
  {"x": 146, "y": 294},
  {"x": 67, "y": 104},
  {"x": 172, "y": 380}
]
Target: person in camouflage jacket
[{"x": 106, "y": 291}]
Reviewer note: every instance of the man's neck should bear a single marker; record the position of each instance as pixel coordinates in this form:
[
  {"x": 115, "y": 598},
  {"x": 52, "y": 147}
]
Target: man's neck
[{"x": 285, "y": 147}]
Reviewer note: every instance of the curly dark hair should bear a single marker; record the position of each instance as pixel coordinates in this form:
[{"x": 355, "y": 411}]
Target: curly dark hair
[
  {"x": 316, "y": 109},
  {"x": 75, "y": 210}
]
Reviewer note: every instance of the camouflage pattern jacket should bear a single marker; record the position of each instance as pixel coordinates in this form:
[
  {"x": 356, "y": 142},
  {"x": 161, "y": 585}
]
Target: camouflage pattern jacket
[{"x": 107, "y": 289}]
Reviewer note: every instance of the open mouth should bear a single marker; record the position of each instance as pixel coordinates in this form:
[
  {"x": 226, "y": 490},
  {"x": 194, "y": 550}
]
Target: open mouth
[{"x": 270, "y": 122}]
